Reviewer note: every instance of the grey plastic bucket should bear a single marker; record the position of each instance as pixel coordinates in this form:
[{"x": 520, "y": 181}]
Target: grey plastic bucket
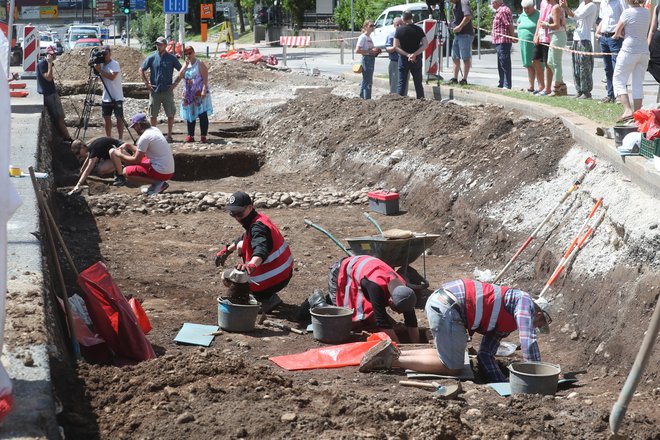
[
  {"x": 534, "y": 378},
  {"x": 332, "y": 324},
  {"x": 237, "y": 317}
]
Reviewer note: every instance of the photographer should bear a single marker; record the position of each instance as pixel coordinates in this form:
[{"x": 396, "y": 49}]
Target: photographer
[
  {"x": 46, "y": 87},
  {"x": 113, "y": 95}
]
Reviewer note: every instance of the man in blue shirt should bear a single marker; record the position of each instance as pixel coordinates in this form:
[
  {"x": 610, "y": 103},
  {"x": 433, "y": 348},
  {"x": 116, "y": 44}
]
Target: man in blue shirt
[
  {"x": 46, "y": 87},
  {"x": 393, "y": 68},
  {"x": 161, "y": 88}
]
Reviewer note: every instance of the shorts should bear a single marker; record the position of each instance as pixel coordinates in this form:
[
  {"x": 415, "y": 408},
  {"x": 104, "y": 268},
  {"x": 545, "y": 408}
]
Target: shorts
[
  {"x": 164, "y": 98},
  {"x": 461, "y": 48},
  {"x": 54, "y": 106},
  {"x": 108, "y": 107},
  {"x": 448, "y": 332},
  {"x": 541, "y": 53},
  {"x": 145, "y": 169}
]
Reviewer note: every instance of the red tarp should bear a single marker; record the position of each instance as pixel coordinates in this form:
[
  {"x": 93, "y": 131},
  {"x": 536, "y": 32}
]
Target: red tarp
[
  {"x": 334, "y": 356},
  {"x": 112, "y": 316}
]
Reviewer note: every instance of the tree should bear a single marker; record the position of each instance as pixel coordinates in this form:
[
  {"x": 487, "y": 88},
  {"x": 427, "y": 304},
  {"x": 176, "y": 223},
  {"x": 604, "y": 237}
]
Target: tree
[
  {"x": 149, "y": 27},
  {"x": 297, "y": 10},
  {"x": 362, "y": 9}
]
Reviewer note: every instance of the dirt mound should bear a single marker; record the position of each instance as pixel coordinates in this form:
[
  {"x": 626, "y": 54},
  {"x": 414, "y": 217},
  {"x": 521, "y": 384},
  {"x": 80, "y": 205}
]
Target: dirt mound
[{"x": 73, "y": 65}]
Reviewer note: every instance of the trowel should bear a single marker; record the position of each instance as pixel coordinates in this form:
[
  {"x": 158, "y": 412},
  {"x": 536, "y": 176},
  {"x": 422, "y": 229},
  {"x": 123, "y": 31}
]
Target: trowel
[{"x": 441, "y": 391}]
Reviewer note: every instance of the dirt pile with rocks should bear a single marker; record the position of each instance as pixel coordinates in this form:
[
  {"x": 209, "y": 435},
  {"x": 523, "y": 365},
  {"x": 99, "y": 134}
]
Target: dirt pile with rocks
[
  {"x": 480, "y": 176},
  {"x": 74, "y": 64}
]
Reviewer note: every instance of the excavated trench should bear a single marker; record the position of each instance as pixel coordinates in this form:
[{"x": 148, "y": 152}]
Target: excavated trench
[{"x": 482, "y": 177}]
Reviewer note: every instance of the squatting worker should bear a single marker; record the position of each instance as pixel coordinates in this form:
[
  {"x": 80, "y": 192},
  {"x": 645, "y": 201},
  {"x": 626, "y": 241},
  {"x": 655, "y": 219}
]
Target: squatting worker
[
  {"x": 266, "y": 255},
  {"x": 369, "y": 286},
  {"x": 113, "y": 95},
  {"x": 161, "y": 65},
  {"x": 393, "y": 67},
  {"x": 99, "y": 157},
  {"x": 46, "y": 87},
  {"x": 410, "y": 41},
  {"x": 465, "y": 307},
  {"x": 151, "y": 161}
]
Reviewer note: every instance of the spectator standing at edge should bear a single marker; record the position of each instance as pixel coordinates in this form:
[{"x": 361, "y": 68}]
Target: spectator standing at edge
[
  {"x": 502, "y": 33},
  {"x": 610, "y": 12},
  {"x": 46, "y": 87},
  {"x": 556, "y": 26},
  {"x": 654, "y": 45},
  {"x": 365, "y": 47},
  {"x": 410, "y": 41},
  {"x": 161, "y": 65},
  {"x": 113, "y": 94},
  {"x": 196, "y": 102},
  {"x": 461, "y": 48},
  {"x": 583, "y": 65},
  {"x": 393, "y": 67},
  {"x": 542, "y": 40},
  {"x": 526, "y": 29},
  {"x": 633, "y": 57}
]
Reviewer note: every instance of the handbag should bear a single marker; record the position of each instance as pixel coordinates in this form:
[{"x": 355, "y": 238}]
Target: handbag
[{"x": 357, "y": 68}]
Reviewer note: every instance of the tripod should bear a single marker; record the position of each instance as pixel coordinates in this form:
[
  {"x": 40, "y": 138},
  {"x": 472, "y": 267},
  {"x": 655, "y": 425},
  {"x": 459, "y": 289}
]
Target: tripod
[{"x": 88, "y": 104}]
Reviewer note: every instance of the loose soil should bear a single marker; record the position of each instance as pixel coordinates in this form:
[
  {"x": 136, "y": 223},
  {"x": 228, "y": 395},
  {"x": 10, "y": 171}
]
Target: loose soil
[{"x": 455, "y": 167}]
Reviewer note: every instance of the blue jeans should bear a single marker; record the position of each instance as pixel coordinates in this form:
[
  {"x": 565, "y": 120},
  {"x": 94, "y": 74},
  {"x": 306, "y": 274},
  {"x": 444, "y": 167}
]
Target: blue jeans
[
  {"x": 415, "y": 70},
  {"x": 504, "y": 64},
  {"x": 609, "y": 45},
  {"x": 368, "y": 63}
]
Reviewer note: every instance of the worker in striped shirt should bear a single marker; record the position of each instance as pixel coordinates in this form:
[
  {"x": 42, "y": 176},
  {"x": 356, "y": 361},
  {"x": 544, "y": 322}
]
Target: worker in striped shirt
[{"x": 465, "y": 307}]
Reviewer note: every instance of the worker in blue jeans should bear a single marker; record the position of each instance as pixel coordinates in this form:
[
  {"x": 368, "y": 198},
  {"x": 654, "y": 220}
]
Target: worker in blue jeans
[
  {"x": 410, "y": 41},
  {"x": 610, "y": 12}
]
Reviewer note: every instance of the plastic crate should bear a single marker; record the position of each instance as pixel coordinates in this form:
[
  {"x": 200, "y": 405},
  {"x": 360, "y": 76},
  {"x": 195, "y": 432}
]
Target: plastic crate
[
  {"x": 384, "y": 202},
  {"x": 648, "y": 148}
]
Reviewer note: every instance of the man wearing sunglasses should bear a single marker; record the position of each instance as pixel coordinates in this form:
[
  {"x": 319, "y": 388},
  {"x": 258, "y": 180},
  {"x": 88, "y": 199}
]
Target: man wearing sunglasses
[
  {"x": 266, "y": 255},
  {"x": 463, "y": 307}
]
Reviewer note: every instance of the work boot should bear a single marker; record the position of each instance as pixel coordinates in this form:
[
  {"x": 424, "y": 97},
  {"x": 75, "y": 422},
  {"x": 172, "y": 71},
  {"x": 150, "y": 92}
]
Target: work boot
[
  {"x": 119, "y": 180},
  {"x": 379, "y": 357},
  {"x": 317, "y": 299},
  {"x": 268, "y": 305}
]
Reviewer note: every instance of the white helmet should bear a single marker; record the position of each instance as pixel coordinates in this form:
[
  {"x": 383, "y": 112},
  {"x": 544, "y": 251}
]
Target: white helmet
[{"x": 631, "y": 142}]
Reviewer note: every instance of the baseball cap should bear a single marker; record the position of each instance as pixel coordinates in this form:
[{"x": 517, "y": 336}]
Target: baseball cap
[
  {"x": 235, "y": 276},
  {"x": 51, "y": 50},
  {"x": 161, "y": 40},
  {"x": 407, "y": 15},
  {"x": 140, "y": 117},
  {"x": 542, "y": 305},
  {"x": 403, "y": 298},
  {"x": 238, "y": 201}
]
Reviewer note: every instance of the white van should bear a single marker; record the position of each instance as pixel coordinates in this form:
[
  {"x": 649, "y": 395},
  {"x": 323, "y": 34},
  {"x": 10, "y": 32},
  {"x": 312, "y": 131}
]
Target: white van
[{"x": 383, "y": 23}]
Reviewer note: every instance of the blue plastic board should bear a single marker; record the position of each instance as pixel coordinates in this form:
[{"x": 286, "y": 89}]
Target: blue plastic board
[
  {"x": 196, "y": 334},
  {"x": 175, "y": 6},
  {"x": 502, "y": 388}
]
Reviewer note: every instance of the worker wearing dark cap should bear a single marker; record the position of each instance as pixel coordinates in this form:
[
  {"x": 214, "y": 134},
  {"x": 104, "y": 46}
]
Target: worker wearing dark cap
[
  {"x": 369, "y": 286},
  {"x": 266, "y": 255}
]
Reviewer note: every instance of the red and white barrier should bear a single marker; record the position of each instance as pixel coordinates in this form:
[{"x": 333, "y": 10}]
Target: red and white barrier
[
  {"x": 295, "y": 41},
  {"x": 30, "y": 51},
  {"x": 431, "y": 59}
]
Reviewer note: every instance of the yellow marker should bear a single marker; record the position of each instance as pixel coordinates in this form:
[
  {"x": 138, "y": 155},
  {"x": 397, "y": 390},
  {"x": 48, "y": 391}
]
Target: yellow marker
[{"x": 15, "y": 171}]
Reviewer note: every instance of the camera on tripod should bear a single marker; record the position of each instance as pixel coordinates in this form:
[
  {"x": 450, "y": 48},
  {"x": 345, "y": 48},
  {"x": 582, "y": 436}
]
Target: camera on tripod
[{"x": 96, "y": 57}]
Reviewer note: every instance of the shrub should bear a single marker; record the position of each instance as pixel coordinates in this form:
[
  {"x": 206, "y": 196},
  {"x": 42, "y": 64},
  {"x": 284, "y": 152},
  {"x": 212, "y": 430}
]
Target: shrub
[{"x": 150, "y": 27}]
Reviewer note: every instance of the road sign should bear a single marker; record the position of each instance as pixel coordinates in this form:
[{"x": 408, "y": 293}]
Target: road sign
[
  {"x": 105, "y": 8},
  {"x": 175, "y": 6},
  {"x": 48, "y": 11},
  {"x": 140, "y": 5},
  {"x": 206, "y": 10}
]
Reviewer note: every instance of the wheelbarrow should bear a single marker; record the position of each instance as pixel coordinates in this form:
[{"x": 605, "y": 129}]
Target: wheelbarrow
[{"x": 396, "y": 252}]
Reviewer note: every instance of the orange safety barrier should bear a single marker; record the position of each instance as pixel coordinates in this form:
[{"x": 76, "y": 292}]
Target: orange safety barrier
[
  {"x": 334, "y": 356},
  {"x": 17, "y": 85},
  {"x": 19, "y": 93}
]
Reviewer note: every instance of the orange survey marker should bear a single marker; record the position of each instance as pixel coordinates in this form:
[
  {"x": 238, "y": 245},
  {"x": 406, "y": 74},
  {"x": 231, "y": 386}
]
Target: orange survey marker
[
  {"x": 18, "y": 93},
  {"x": 577, "y": 243},
  {"x": 17, "y": 85}
]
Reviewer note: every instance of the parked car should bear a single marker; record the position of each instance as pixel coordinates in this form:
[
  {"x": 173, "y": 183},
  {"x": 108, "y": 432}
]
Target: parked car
[
  {"x": 87, "y": 42},
  {"x": 75, "y": 35},
  {"x": 45, "y": 40},
  {"x": 383, "y": 24}
]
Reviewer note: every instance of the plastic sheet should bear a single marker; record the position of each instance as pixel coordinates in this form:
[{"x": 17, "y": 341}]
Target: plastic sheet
[
  {"x": 112, "y": 316},
  {"x": 141, "y": 315},
  {"x": 334, "y": 356},
  {"x": 648, "y": 121}
]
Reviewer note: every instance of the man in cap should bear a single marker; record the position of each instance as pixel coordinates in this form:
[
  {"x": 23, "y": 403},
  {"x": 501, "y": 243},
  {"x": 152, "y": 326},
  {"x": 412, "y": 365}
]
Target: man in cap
[
  {"x": 46, "y": 87},
  {"x": 410, "y": 41},
  {"x": 151, "y": 161},
  {"x": 369, "y": 286},
  {"x": 265, "y": 253},
  {"x": 113, "y": 94},
  {"x": 465, "y": 307},
  {"x": 161, "y": 65}
]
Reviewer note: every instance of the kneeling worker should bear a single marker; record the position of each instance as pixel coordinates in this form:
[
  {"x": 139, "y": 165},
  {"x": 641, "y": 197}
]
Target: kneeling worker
[
  {"x": 368, "y": 286},
  {"x": 266, "y": 255},
  {"x": 467, "y": 306},
  {"x": 100, "y": 157}
]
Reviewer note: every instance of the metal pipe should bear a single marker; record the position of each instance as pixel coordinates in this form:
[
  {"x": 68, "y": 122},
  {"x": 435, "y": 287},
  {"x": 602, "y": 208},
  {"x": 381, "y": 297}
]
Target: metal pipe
[
  {"x": 645, "y": 351},
  {"x": 337, "y": 242}
]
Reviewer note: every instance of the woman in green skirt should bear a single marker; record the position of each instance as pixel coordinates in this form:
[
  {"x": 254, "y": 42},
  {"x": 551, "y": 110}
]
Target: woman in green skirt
[{"x": 526, "y": 30}]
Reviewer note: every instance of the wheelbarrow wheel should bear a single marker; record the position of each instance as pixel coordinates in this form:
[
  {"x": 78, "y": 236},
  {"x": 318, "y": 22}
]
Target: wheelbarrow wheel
[{"x": 413, "y": 279}]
